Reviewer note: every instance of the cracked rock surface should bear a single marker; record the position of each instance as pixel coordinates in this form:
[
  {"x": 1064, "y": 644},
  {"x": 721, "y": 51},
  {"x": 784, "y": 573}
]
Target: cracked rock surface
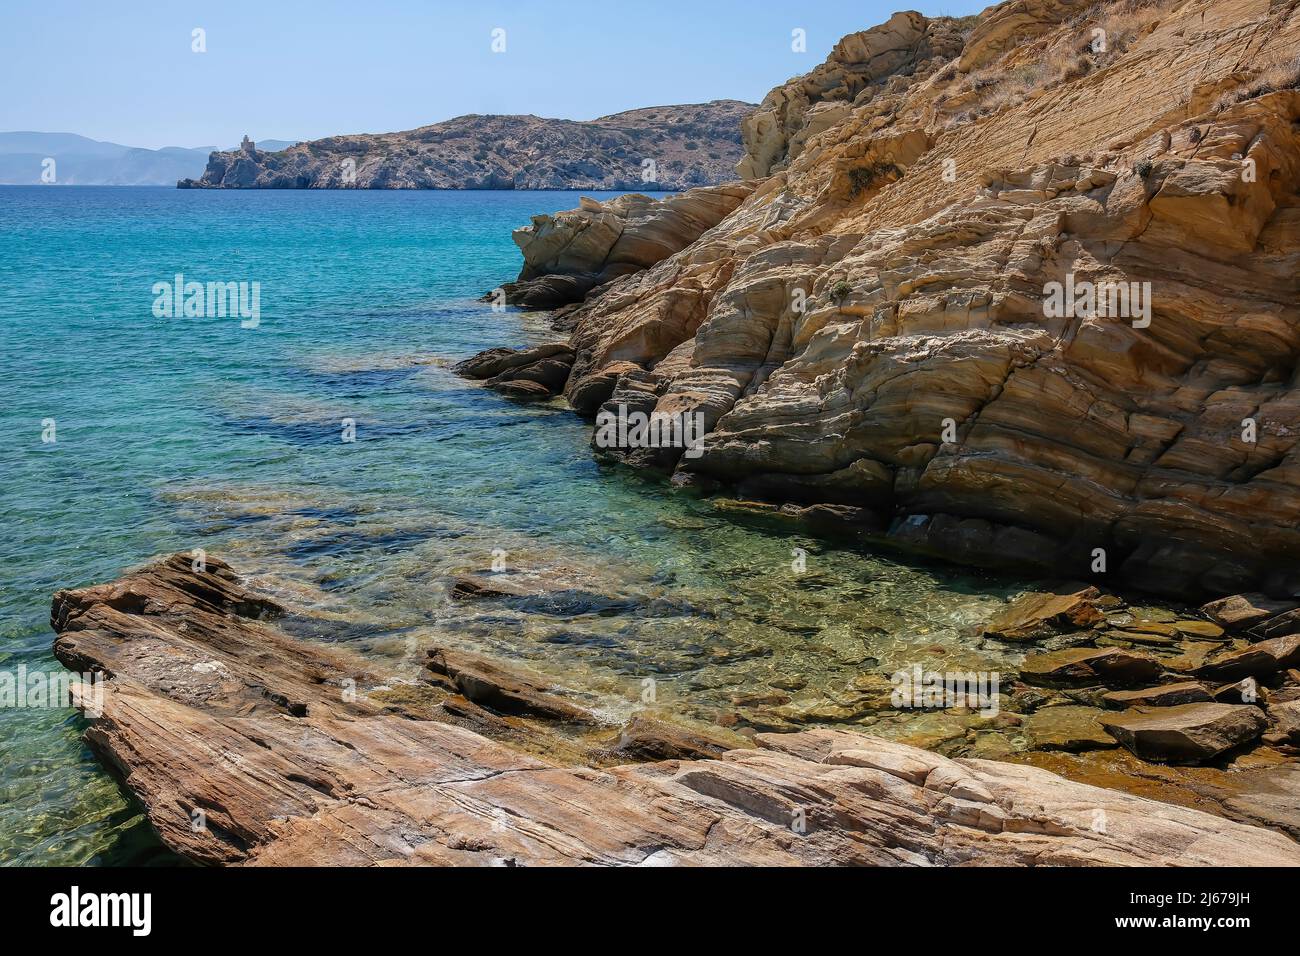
[
  {"x": 870, "y": 327},
  {"x": 209, "y": 706}
]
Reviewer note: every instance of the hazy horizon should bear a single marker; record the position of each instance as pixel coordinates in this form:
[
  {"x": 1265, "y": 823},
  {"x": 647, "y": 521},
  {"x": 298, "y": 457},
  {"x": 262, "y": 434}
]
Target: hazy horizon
[{"x": 132, "y": 76}]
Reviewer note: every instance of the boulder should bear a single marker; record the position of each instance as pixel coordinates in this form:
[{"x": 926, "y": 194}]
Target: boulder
[
  {"x": 1188, "y": 733},
  {"x": 1240, "y": 611},
  {"x": 1284, "y": 723},
  {"x": 494, "y": 362},
  {"x": 1090, "y": 664},
  {"x": 1167, "y": 695},
  {"x": 1283, "y": 625},
  {"x": 1041, "y": 613},
  {"x": 1257, "y": 660},
  {"x": 522, "y": 389}
]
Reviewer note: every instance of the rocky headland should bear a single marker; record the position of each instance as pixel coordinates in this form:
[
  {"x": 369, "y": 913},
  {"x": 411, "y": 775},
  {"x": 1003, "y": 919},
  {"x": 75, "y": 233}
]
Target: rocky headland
[
  {"x": 663, "y": 147},
  {"x": 878, "y": 326}
]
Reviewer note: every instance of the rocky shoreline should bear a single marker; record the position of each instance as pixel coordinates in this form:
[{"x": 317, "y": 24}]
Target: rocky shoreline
[
  {"x": 867, "y": 343},
  {"x": 247, "y": 746},
  {"x": 868, "y": 334}
]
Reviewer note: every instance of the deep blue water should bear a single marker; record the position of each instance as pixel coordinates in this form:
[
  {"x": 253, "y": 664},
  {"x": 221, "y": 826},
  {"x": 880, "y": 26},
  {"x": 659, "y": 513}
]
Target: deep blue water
[{"x": 177, "y": 433}]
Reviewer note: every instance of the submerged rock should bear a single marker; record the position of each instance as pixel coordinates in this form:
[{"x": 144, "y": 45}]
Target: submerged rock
[
  {"x": 1083, "y": 664},
  {"x": 1040, "y": 614},
  {"x": 647, "y": 739},
  {"x": 502, "y": 691},
  {"x": 1068, "y": 727},
  {"x": 290, "y": 768}
]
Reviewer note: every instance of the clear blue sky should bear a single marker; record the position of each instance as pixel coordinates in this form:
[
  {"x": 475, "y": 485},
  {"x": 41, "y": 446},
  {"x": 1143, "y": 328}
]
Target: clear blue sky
[{"x": 123, "y": 70}]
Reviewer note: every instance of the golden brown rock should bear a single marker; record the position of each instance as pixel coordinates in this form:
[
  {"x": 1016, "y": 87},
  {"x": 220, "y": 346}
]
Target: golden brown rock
[
  {"x": 874, "y": 325},
  {"x": 246, "y": 746},
  {"x": 1041, "y": 613}
]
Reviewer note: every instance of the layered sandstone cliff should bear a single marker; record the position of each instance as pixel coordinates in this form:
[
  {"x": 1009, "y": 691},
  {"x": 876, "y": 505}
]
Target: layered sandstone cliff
[
  {"x": 570, "y": 253},
  {"x": 665, "y": 147},
  {"x": 879, "y": 325}
]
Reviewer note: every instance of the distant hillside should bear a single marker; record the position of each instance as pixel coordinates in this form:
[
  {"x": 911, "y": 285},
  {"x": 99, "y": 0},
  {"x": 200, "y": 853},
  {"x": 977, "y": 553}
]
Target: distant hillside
[
  {"x": 79, "y": 161},
  {"x": 672, "y": 147}
]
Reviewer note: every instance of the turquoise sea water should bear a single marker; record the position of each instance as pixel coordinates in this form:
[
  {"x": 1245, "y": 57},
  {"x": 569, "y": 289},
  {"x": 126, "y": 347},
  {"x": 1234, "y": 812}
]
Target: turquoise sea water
[{"x": 174, "y": 434}]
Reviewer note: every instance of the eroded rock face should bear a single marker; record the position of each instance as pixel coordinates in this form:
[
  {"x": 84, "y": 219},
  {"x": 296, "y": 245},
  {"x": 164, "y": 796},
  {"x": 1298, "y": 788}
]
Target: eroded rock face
[
  {"x": 861, "y": 65},
  {"x": 210, "y": 707},
  {"x": 568, "y": 254},
  {"x": 874, "y": 326}
]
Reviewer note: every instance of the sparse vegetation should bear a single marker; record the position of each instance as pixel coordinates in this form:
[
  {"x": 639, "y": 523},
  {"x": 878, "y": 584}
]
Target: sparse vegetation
[
  {"x": 1282, "y": 74},
  {"x": 841, "y": 290},
  {"x": 1044, "y": 62},
  {"x": 862, "y": 178}
]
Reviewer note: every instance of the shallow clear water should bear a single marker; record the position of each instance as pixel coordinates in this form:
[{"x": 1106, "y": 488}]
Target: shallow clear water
[{"x": 174, "y": 434}]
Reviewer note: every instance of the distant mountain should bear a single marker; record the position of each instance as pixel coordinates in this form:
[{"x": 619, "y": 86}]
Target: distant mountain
[
  {"x": 79, "y": 161},
  {"x": 669, "y": 147}
]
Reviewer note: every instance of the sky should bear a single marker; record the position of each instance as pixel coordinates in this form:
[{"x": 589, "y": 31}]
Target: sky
[{"x": 126, "y": 71}]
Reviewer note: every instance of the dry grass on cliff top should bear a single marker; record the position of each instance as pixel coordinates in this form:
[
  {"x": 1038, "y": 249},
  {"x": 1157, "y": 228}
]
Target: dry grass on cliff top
[
  {"x": 1042, "y": 62},
  {"x": 1283, "y": 73}
]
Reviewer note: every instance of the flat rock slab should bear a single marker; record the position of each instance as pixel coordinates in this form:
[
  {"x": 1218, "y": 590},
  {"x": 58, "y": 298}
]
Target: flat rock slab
[
  {"x": 1241, "y": 611},
  {"x": 1041, "y": 613},
  {"x": 276, "y": 741},
  {"x": 493, "y": 687},
  {"x": 1167, "y": 695},
  {"x": 1258, "y": 660},
  {"x": 1083, "y": 664},
  {"x": 1189, "y": 733},
  {"x": 1279, "y": 626},
  {"x": 1068, "y": 727}
]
